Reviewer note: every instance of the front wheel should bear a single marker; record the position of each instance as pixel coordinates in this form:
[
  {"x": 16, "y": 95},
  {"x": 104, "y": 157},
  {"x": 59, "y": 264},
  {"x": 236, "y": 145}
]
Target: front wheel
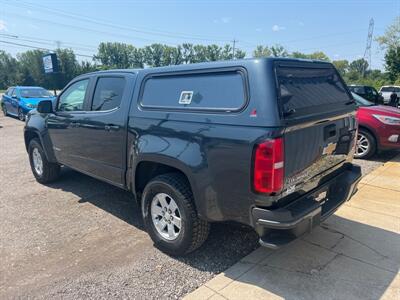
[
  {"x": 170, "y": 215},
  {"x": 366, "y": 145},
  {"x": 43, "y": 170},
  {"x": 21, "y": 115}
]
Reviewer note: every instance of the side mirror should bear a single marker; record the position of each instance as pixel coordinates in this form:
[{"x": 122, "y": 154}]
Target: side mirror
[
  {"x": 45, "y": 107},
  {"x": 14, "y": 97}
]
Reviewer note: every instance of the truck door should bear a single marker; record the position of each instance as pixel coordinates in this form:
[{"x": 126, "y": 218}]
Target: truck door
[
  {"x": 101, "y": 130},
  {"x": 62, "y": 126}
]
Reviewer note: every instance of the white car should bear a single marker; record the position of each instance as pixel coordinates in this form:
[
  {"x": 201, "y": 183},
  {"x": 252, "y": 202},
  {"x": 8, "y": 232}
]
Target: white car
[{"x": 387, "y": 90}]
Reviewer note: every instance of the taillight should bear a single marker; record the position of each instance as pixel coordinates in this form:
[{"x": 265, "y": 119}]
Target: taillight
[{"x": 268, "y": 166}]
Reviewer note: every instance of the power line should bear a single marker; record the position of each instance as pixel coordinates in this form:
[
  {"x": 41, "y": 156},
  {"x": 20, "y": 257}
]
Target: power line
[
  {"x": 39, "y": 48},
  {"x": 155, "y": 32}
]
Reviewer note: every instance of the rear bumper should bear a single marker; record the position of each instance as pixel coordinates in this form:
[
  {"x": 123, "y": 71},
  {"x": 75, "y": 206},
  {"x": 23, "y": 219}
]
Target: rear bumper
[{"x": 282, "y": 225}]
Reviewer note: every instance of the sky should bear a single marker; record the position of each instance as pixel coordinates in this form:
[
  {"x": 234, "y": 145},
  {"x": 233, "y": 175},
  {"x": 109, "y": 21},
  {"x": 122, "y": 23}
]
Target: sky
[{"x": 339, "y": 28}]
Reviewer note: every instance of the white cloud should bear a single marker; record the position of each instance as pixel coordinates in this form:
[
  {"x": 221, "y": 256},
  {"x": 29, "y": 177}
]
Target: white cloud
[
  {"x": 3, "y": 26},
  {"x": 259, "y": 29},
  {"x": 278, "y": 28}
]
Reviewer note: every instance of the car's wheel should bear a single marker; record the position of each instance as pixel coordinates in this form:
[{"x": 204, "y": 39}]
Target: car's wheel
[
  {"x": 21, "y": 115},
  {"x": 43, "y": 170},
  {"x": 170, "y": 215},
  {"x": 4, "y": 109},
  {"x": 366, "y": 144}
]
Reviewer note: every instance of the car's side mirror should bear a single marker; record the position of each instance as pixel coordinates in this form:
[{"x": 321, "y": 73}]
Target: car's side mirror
[
  {"x": 45, "y": 107},
  {"x": 14, "y": 97}
]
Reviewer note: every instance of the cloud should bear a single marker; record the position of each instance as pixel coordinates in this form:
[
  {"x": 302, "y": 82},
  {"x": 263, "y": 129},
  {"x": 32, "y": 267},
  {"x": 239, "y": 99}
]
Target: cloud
[
  {"x": 29, "y": 12},
  {"x": 3, "y": 26},
  {"x": 278, "y": 28},
  {"x": 259, "y": 29}
]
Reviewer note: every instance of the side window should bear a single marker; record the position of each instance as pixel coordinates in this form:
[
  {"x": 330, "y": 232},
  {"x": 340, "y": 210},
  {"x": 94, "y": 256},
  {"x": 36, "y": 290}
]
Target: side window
[
  {"x": 74, "y": 97},
  {"x": 10, "y": 91},
  {"x": 108, "y": 93},
  {"x": 224, "y": 91},
  {"x": 14, "y": 93}
]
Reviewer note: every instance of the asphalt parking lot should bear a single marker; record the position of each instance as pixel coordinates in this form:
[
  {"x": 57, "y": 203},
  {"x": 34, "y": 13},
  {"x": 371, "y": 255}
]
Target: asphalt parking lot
[{"x": 80, "y": 238}]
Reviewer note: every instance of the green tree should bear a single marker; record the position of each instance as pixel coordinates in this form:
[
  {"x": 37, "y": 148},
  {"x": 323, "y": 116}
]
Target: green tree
[
  {"x": 279, "y": 51},
  {"x": 392, "y": 63},
  {"x": 8, "y": 68},
  {"x": 358, "y": 66},
  {"x": 342, "y": 66},
  {"x": 391, "y": 37},
  {"x": 262, "y": 51},
  {"x": 119, "y": 55},
  {"x": 318, "y": 55}
]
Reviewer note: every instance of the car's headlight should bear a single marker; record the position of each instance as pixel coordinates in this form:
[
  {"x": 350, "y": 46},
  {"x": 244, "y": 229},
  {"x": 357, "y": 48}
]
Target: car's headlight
[{"x": 388, "y": 120}]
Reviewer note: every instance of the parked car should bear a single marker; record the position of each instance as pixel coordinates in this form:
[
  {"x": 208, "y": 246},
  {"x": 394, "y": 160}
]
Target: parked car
[
  {"x": 378, "y": 128},
  {"x": 367, "y": 92},
  {"x": 263, "y": 142},
  {"x": 19, "y": 100},
  {"x": 387, "y": 90}
]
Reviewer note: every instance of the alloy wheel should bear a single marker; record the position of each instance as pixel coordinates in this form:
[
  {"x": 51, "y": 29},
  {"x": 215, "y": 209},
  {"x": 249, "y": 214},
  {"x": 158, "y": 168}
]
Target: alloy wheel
[
  {"x": 363, "y": 145},
  {"x": 166, "y": 216},
  {"x": 37, "y": 161}
]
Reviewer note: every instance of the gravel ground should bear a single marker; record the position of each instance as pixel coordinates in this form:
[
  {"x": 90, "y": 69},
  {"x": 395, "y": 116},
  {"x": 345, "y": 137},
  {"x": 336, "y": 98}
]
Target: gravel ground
[{"x": 82, "y": 238}]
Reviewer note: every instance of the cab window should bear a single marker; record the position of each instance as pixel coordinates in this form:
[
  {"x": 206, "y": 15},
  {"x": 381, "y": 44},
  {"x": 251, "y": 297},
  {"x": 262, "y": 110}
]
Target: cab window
[
  {"x": 108, "y": 93},
  {"x": 73, "y": 98}
]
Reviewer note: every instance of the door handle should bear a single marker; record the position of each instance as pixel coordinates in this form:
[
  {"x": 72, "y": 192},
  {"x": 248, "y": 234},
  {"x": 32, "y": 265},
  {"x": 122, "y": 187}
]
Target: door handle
[{"x": 110, "y": 127}]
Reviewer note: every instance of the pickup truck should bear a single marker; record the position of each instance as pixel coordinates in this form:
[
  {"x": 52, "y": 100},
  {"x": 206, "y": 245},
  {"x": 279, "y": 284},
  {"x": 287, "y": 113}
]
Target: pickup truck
[{"x": 263, "y": 142}]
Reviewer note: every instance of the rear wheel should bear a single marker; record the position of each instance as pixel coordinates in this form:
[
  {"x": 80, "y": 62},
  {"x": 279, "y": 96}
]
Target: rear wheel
[
  {"x": 4, "y": 109},
  {"x": 366, "y": 144},
  {"x": 43, "y": 170},
  {"x": 170, "y": 215}
]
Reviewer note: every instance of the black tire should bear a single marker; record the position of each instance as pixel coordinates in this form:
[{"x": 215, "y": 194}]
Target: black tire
[
  {"x": 50, "y": 171},
  {"x": 21, "y": 115},
  {"x": 4, "y": 109},
  {"x": 194, "y": 231},
  {"x": 371, "y": 144}
]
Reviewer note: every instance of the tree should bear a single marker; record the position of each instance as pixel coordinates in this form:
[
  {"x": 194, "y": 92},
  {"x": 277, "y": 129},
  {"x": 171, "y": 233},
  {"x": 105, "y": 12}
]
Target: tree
[
  {"x": 392, "y": 63},
  {"x": 342, "y": 66},
  {"x": 8, "y": 68},
  {"x": 391, "y": 38},
  {"x": 358, "y": 66},
  {"x": 119, "y": 55},
  {"x": 318, "y": 55},
  {"x": 279, "y": 51},
  {"x": 262, "y": 51}
]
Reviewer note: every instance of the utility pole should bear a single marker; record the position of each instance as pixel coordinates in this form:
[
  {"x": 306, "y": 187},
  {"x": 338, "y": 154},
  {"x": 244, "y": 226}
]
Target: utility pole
[
  {"x": 367, "y": 52},
  {"x": 234, "y": 48},
  {"x": 58, "y": 44}
]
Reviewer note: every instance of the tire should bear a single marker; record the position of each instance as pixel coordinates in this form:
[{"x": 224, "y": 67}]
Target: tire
[
  {"x": 4, "y": 109},
  {"x": 49, "y": 171},
  {"x": 366, "y": 144},
  {"x": 21, "y": 115},
  {"x": 193, "y": 231}
]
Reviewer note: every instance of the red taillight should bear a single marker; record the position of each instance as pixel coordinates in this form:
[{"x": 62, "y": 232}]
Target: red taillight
[{"x": 268, "y": 166}]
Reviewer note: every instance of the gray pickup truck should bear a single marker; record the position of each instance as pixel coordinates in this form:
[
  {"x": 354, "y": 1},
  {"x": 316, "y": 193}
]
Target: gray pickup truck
[{"x": 263, "y": 142}]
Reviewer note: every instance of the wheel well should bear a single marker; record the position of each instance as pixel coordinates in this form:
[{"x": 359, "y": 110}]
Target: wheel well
[
  {"x": 369, "y": 131},
  {"x": 146, "y": 170},
  {"x": 29, "y": 135}
]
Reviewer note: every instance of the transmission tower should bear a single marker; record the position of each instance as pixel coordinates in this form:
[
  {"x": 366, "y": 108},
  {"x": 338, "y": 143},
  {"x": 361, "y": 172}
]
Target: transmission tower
[{"x": 367, "y": 53}]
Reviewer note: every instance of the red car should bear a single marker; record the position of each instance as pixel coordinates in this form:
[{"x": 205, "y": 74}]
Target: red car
[{"x": 378, "y": 128}]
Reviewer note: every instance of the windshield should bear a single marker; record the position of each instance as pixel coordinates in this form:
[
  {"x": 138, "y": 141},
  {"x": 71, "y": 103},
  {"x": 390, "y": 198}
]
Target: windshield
[
  {"x": 35, "y": 93},
  {"x": 390, "y": 89},
  {"x": 361, "y": 101}
]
